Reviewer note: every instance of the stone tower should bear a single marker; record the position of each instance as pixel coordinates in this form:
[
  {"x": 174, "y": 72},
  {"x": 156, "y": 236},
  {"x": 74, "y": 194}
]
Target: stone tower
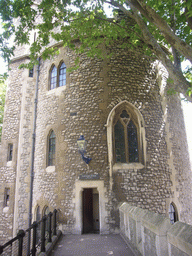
[{"x": 135, "y": 136}]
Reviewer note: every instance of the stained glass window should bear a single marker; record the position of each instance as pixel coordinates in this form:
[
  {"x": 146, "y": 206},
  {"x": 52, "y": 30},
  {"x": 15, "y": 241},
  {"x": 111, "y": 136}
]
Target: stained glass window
[
  {"x": 126, "y": 141},
  {"x": 51, "y": 156},
  {"x": 53, "y": 82},
  {"x": 62, "y": 75},
  {"x": 132, "y": 142},
  {"x": 119, "y": 143}
]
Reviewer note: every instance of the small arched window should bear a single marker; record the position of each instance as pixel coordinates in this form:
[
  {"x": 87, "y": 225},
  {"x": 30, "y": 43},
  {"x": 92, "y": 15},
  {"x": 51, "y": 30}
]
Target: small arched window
[
  {"x": 62, "y": 75},
  {"x": 173, "y": 213},
  {"x": 38, "y": 215},
  {"x": 125, "y": 138},
  {"x": 38, "y": 218},
  {"x": 46, "y": 212},
  {"x": 53, "y": 78},
  {"x": 51, "y": 149}
]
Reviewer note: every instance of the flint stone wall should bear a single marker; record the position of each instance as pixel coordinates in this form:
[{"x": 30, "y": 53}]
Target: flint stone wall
[{"x": 82, "y": 107}]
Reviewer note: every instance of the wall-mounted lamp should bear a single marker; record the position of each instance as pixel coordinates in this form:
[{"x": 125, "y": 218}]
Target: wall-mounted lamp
[{"x": 82, "y": 143}]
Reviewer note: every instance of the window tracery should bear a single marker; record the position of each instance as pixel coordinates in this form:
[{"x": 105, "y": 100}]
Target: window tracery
[{"x": 125, "y": 138}]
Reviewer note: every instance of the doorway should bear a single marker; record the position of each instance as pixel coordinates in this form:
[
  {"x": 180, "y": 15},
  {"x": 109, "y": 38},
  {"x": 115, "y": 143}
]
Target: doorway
[{"x": 90, "y": 210}]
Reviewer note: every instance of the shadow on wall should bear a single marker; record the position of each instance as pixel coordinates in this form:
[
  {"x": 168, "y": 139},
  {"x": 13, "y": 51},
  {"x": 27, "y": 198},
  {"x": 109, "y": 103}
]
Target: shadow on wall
[{"x": 153, "y": 234}]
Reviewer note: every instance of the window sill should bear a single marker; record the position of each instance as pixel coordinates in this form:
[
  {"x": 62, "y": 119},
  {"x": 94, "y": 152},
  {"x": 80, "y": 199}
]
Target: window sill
[
  {"x": 57, "y": 90},
  {"x": 50, "y": 169},
  {"x": 5, "y": 209},
  {"x": 9, "y": 163},
  {"x": 126, "y": 166}
]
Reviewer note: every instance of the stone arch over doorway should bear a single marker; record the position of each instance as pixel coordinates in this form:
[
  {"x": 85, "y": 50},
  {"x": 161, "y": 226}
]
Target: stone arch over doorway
[{"x": 80, "y": 185}]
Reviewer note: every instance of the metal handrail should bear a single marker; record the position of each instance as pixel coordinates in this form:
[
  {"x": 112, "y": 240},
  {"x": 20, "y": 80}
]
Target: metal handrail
[{"x": 51, "y": 218}]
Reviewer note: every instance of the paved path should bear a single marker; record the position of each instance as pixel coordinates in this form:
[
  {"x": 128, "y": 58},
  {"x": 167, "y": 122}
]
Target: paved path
[{"x": 92, "y": 245}]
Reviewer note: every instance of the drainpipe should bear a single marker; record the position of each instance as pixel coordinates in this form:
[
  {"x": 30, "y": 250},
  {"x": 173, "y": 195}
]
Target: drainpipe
[{"x": 32, "y": 156}]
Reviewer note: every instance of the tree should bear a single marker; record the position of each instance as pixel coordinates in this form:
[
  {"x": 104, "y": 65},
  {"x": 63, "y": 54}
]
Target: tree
[
  {"x": 2, "y": 102},
  {"x": 162, "y": 28}
]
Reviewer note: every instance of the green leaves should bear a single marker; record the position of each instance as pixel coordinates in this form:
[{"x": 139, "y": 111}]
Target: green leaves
[
  {"x": 67, "y": 21},
  {"x": 189, "y": 91}
]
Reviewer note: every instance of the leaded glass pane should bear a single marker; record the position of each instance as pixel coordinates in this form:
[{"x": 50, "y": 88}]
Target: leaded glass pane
[
  {"x": 132, "y": 142},
  {"x": 119, "y": 143},
  {"x": 53, "y": 82},
  {"x": 51, "y": 158},
  {"x": 62, "y": 74}
]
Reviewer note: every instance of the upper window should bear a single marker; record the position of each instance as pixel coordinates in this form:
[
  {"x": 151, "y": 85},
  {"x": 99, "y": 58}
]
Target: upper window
[
  {"x": 58, "y": 76},
  {"x": 51, "y": 149},
  {"x": 62, "y": 74},
  {"x": 10, "y": 152},
  {"x": 53, "y": 81},
  {"x": 126, "y": 139}
]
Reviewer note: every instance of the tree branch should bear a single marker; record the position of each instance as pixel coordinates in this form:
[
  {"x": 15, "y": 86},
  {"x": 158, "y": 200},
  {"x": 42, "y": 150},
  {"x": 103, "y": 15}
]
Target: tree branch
[
  {"x": 189, "y": 19},
  {"x": 180, "y": 83},
  {"x": 164, "y": 28}
]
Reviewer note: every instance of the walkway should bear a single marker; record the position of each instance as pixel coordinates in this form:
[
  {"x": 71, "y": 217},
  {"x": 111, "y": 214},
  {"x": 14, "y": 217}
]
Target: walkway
[{"x": 92, "y": 245}]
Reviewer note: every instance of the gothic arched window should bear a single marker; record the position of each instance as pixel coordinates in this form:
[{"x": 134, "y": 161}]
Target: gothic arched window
[
  {"x": 51, "y": 149},
  {"x": 62, "y": 74},
  {"x": 125, "y": 138},
  {"x": 53, "y": 78}
]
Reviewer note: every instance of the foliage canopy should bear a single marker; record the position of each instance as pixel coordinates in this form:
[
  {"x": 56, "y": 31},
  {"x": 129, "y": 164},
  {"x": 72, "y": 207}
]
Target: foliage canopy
[{"x": 163, "y": 28}]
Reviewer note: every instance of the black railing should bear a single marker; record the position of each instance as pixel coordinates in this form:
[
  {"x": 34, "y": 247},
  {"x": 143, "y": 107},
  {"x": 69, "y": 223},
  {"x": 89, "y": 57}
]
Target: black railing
[{"x": 34, "y": 239}]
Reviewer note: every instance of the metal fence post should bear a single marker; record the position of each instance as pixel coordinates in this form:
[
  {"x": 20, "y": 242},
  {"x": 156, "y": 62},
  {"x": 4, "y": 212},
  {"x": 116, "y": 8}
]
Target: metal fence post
[
  {"x": 43, "y": 234},
  {"x": 55, "y": 222},
  {"x": 1, "y": 249},
  {"x": 21, "y": 234},
  {"x": 49, "y": 227},
  {"x": 33, "y": 250}
]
